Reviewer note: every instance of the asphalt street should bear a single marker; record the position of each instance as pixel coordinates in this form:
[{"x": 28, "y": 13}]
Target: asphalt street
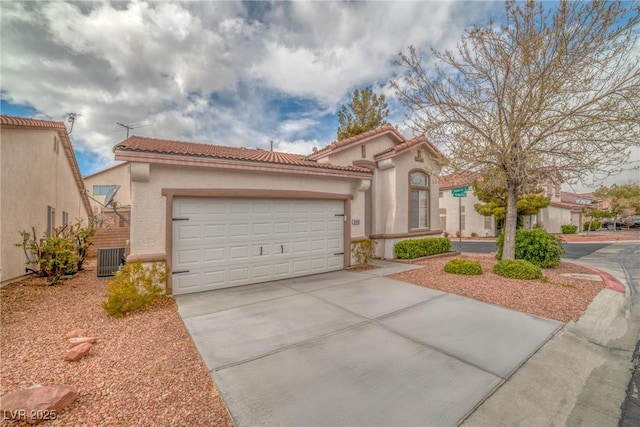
[{"x": 572, "y": 250}]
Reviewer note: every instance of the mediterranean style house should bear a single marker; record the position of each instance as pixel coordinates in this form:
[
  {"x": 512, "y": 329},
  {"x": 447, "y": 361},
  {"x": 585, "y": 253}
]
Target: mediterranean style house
[
  {"x": 40, "y": 186},
  {"x": 225, "y": 216}
]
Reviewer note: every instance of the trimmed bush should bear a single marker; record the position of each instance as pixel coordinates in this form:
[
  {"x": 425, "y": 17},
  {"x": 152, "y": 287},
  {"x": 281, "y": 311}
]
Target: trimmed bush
[
  {"x": 536, "y": 246},
  {"x": 467, "y": 267},
  {"x": 517, "y": 269},
  {"x": 569, "y": 229},
  {"x": 134, "y": 287},
  {"x": 363, "y": 250},
  {"x": 591, "y": 225},
  {"x": 417, "y": 248}
]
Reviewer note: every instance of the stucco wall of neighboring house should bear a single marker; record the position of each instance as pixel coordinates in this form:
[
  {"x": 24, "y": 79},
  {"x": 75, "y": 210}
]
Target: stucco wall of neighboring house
[
  {"x": 473, "y": 221},
  {"x": 148, "y": 216},
  {"x": 33, "y": 176},
  {"x": 115, "y": 175},
  {"x": 552, "y": 217}
]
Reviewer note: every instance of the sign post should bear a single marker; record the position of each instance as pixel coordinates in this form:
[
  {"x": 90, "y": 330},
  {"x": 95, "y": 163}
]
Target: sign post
[{"x": 460, "y": 192}]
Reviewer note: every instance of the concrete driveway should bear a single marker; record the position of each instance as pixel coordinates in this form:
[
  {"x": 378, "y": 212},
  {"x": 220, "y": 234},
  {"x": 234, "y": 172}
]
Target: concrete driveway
[{"x": 347, "y": 348}]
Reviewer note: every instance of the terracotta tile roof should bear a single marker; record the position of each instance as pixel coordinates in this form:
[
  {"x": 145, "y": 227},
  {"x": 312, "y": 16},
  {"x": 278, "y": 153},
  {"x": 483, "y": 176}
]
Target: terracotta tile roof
[
  {"x": 457, "y": 180},
  {"x": 354, "y": 139},
  {"x": 191, "y": 149},
  {"x": 26, "y": 122},
  {"x": 568, "y": 197},
  {"x": 408, "y": 144}
]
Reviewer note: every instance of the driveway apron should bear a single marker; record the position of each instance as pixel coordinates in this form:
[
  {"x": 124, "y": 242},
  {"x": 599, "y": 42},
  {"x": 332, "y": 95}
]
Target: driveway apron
[{"x": 347, "y": 348}]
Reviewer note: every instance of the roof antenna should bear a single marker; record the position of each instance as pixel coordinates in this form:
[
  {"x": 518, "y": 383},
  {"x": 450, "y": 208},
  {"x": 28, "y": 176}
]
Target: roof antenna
[
  {"x": 131, "y": 127},
  {"x": 272, "y": 145},
  {"x": 71, "y": 119}
]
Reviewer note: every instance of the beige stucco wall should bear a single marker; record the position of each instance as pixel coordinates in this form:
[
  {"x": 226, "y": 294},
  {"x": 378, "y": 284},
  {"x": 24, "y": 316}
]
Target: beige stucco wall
[
  {"x": 348, "y": 155},
  {"x": 148, "y": 215},
  {"x": 33, "y": 176},
  {"x": 474, "y": 222},
  {"x": 116, "y": 175},
  {"x": 553, "y": 217}
]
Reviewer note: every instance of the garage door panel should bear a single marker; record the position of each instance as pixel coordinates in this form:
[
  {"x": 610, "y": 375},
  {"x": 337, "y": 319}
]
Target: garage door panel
[
  {"x": 239, "y": 252},
  {"x": 238, "y": 230},
  {"x": 280, "y": 228},
  {"x": 261, "y": 272},
  {"x": 261, "y": 229},
  {"x": 212, "y": 231},
  {"x": 189, "y": 256},
  {"x": 220, "y": 243},
  {"x": 214, "y": 255},
  {"x": 334, "y": 244},
  {"x": 187, "y": 232},
  {"x": 300, "y": 227},
  {"x": 334, "y": 262},
  {"x": 238, "y": 274},
  {"x": 318, "y": 226}
]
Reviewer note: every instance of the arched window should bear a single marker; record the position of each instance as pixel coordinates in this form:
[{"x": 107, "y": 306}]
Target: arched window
[{"x": 418, "y": 200}]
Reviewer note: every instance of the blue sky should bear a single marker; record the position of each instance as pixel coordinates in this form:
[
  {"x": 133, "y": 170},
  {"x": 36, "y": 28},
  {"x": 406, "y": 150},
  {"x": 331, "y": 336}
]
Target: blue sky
[{"x": 228, "y": 73}]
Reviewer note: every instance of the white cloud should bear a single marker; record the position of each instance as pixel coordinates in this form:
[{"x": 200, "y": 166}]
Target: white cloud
[{"x": 210, "y": 71}]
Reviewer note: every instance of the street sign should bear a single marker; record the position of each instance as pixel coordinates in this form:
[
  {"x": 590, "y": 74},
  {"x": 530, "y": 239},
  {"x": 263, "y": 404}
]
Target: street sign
[{"x": 460, "y": 191}]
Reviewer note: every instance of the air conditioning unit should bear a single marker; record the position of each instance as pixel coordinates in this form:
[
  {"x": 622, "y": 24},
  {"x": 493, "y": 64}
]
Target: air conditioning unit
[{"x": 110, "y": 260}]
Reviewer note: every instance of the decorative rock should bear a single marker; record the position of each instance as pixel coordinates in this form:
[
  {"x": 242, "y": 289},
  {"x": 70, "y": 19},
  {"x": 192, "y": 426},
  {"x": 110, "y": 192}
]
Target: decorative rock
[
  {"x": 37, "y": 404},
  {"x": 78, "y": 352},
  {"x": 75, "y": 341},
  {"x": 75, "y": 333}
]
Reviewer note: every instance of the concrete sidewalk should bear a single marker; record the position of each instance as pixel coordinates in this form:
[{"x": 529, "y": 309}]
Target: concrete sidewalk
[{"x": 580, "y": 377}]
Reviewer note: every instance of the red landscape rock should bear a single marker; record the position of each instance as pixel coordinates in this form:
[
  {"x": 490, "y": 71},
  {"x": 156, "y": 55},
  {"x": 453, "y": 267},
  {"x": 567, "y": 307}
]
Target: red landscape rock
[
  {"x": 80, "y": 340},
  {"x": 37, "y": 404},
  {"x": 78, "y": 352},
  {"x": 75, "y": 333}
]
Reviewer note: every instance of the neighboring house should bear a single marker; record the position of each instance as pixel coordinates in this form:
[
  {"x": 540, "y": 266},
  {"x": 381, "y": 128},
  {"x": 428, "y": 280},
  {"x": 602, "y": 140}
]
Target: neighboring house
[
  {"x": 565, "y": 208},
  {"x": 224, "y": 216},
  {"x": 457, "y": 214},
  {"x": 40, "y": 186},
  {"x": 100, "y": 183}
]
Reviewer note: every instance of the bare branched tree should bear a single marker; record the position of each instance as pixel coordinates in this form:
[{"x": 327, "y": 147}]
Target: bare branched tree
[{"x": 551, "y": 93}]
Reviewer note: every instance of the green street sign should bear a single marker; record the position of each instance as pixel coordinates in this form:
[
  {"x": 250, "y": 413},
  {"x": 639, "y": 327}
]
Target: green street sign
[{"x": 460, "y": 191}]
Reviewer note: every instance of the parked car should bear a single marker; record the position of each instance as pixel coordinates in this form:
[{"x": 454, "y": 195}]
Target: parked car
[
  {"x": 611, "y": 224},
  {"x": 633, "y": 221}
]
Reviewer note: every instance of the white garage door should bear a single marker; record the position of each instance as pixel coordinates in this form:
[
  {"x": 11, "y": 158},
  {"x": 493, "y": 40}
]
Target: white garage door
[{"x": 219, "y": 243}]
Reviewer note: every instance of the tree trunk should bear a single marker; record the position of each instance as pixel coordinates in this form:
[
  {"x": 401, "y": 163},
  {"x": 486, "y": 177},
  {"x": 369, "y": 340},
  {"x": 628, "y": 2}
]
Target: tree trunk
[{"x": 509, "y": 248}]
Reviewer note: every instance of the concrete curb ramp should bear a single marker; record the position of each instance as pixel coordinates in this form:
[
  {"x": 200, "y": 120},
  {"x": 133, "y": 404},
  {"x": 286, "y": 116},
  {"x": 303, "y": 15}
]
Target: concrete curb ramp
[{"x": 348, "y": 348}]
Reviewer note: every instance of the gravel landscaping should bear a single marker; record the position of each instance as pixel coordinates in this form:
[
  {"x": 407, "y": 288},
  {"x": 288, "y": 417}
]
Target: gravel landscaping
[
  {"x": 144, "y": 368},
  {"x": 555, "y": 297}
]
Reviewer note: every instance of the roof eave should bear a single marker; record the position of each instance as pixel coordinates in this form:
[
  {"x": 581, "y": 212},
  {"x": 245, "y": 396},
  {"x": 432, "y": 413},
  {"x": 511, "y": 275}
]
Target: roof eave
[{"x": 185, "y": 160}]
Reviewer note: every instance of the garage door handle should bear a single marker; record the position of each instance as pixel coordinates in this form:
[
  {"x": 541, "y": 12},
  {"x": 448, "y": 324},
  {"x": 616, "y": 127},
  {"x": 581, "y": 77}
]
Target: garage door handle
[
  {"x": 281, "y": 249},
  {"x": 180, "y": 271},
  {"x": 180, "y": 219},
  {"x": 260, "y": 250}
]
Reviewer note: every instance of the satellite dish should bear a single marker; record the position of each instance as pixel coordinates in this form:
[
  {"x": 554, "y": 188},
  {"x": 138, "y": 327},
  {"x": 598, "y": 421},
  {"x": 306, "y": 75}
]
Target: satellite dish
[{"x": 110, "y": 195}]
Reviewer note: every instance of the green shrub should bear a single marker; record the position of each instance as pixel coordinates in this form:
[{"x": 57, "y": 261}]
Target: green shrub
[
  {"x": 592, "y": 225},
  {"x": 61, "y": 254},
  {"x": 363, "y": 250},
  {"x": 517, "y": 269},
  {"x": 416, "y": 248},
  {"x": 134, "y": 287},
  {"x": 536, "y": 246},
  {"x": 468, "y": 267},
  {"x": 569, "y": 229}
]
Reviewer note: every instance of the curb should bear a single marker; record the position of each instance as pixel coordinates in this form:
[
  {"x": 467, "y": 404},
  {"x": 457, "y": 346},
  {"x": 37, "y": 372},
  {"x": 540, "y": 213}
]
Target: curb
[{"x": 610, "y": 282}]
